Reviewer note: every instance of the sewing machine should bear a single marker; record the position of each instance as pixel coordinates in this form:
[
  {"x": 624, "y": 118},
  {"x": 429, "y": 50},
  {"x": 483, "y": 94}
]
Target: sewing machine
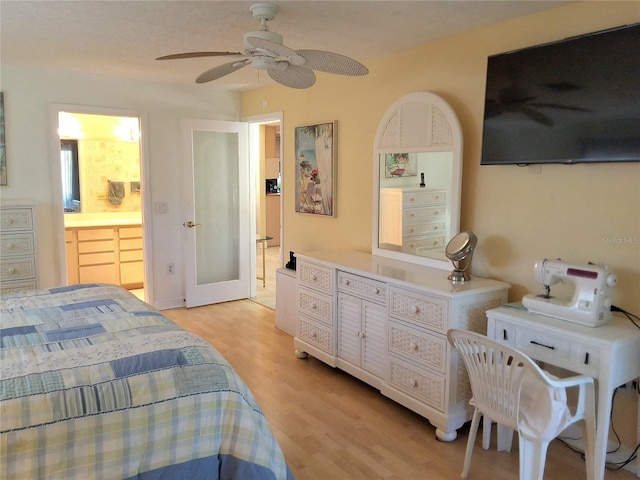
[{"x": 590, "y": 304}]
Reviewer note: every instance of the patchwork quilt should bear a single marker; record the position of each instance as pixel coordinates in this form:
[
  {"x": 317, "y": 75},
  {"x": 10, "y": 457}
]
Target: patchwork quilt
[{"x": 96, "y": 384}]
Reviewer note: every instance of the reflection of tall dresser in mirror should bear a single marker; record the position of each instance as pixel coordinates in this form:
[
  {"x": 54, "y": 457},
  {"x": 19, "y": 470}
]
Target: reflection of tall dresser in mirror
[{"x": 414, "y": 220}]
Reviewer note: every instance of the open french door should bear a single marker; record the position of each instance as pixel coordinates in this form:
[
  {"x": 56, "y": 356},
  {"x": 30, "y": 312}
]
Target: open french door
[{"x": 217, "y": 227}]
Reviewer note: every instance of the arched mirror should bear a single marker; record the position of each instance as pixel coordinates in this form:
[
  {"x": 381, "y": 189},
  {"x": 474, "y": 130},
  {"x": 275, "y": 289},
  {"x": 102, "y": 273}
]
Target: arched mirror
[{"x": 417, "y": 180}]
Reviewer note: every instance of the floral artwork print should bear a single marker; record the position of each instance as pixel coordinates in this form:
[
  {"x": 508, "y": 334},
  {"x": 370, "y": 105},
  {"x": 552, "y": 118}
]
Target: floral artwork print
[
  {"x": 314, "y": 167},
  {"x": 400, "y": 165}
]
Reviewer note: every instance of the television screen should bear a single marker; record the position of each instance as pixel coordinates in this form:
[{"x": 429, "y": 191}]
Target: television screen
[{"x": 572, "y": 101}]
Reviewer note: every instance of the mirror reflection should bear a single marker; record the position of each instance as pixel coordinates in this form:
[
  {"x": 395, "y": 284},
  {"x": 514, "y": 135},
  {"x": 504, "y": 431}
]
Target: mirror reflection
[
  {"x": 415, "y": 202},
  {"x": 100, "y": 163},
  {"x": 418, "y": 167}
]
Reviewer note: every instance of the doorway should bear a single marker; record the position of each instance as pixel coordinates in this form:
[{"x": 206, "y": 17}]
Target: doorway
[
  {"x": 266, "y": 158},
  {"x": 101, "y": 169}
]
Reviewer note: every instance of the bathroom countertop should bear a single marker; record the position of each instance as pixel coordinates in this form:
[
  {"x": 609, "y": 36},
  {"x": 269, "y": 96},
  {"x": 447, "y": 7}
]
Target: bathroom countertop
[{"x": 102, "y": 222}]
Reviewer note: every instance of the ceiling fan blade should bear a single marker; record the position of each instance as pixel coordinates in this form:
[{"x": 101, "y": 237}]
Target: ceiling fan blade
[
  {"x": 221, "y": 71},
  {"x": 293, "y": 76},
  {"x": 561, "y": 107},
  {"x": 332, "y": 63},
  {"x": 274, "y": 47},
  {"x": 536, "y": 116},
  {"x": 176, "y": 56}
]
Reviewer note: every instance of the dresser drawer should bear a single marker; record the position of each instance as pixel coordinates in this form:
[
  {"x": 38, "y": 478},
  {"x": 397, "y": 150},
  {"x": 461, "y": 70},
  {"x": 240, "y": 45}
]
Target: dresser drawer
[
  {"x": 422, "y": 228},
  {"x": 97, "y": 246},
  {"x": 16, "y": 244},
  {"x": 16, "y": 219},
  {"x": 422, "y": 214},
  {"x": 17, "y": 286},
  {"x": 362, "y": 287},
  {"x": 315, "y": 334},
  {"x": 130, "y": 232},
  {"x": 95, "y": 234},
  {"x": 416, "y": 244},
  {"x": 18, "y": 268},
  {"x": 421, "y": 348},
  {"x": 424, "y": 197},
  {"x": 548, "y": 347},
  {"x": 425, "y": 386},
  {"x": 130, "y": 244},
  {"x": 420, "y": 309},
  {"x": 316, "y": 277},
  {"x": 315, "y": 305}
]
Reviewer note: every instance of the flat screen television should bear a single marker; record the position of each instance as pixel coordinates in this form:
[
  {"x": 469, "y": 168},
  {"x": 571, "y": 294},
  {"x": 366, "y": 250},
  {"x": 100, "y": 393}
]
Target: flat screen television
[{"x": 572, "y": 101}]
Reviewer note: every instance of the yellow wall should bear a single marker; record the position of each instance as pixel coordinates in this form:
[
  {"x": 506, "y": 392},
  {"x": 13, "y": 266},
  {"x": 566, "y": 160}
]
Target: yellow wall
[{"x": 578, "y": 213}]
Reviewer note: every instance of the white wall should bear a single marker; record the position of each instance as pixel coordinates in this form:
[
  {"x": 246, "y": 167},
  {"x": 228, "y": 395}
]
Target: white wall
[{"x": 30, "y": 96}]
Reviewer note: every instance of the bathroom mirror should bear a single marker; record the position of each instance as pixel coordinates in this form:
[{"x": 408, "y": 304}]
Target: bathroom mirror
[{"x": 417, "y": 180}]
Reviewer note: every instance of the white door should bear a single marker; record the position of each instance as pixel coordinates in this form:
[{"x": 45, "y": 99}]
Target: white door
[{"x": 217, "y": 227}]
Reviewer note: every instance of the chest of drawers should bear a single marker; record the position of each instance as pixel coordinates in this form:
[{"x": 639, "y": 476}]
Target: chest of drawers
[
  {"x": 385, "y": 322},
  {"x": 414, "y": 219},
  {"x": 18, "y": 265}
]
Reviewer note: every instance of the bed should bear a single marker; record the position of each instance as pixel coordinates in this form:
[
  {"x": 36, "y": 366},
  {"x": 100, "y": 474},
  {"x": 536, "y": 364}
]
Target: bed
[{"x": 96, "y": 384}]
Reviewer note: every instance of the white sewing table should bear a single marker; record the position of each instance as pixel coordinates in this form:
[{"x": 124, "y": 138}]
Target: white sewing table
[{"x": 610, "y": 354}]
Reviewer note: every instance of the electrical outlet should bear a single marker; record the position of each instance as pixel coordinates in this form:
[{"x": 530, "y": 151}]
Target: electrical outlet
[
  {"x": 102, "y": 196},
  {"x": 534, "y": 169},
  {"x": 171, "y": 268}
]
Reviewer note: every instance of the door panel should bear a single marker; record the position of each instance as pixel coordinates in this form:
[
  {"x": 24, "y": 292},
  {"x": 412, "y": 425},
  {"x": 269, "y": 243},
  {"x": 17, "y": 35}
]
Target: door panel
[{"x": 217, "y": 227}]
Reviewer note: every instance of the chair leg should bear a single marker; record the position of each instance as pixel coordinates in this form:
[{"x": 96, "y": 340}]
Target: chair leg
[
  {"x": 486, "y": 432},
  {"x": 473, "y": 431},
  {"x": 532, "y": 459},
  {"x": 505, "y": 438}
]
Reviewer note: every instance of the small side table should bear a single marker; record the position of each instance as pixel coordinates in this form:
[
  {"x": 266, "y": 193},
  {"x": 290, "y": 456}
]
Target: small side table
[{"x": 263, "y": 239}]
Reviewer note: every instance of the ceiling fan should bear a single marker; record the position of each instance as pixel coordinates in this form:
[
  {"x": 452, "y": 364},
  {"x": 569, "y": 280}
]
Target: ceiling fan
[{"x": 264, "y": 50}]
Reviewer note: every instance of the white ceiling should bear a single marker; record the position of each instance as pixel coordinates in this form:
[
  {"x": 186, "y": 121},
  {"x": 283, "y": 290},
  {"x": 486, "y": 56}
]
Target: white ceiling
[{"x": 122, "y": 38}]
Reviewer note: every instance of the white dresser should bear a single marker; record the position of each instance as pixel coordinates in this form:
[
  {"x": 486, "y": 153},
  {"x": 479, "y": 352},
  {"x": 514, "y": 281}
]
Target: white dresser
[
  {"x": 17, "y": 247},
  {"x": 385, "y": 322}
]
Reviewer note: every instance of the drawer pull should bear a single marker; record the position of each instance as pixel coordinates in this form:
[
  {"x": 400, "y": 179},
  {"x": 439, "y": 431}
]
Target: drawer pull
[
  {"x": 586, "y": 358},
  {"x": 550, "y": 347},
  {"x": 11, "y": 270},
  {"x": 504, "y": 334},
  {"x": 314, "y": 306},
  {"x": 415, "y": 347},
  {"x": 413, "y": 382},
  {"x": 377, "y": 291},
  {"x": 347, "y": 283},
  {"x": 8, "y": 221},
  {"x": 10, "y": 246},
  {"x": 414, "y": 309}
]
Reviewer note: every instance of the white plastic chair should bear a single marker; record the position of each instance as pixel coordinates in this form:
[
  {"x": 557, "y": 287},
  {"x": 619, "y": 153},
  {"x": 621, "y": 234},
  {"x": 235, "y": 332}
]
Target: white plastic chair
[{"x": 510, "y": 389}]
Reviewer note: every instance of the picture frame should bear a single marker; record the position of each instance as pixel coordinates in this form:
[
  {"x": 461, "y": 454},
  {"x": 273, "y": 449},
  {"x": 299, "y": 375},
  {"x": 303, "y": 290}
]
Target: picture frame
[
  {"x": 400, "y": 165},
  {"x": 3, "y": 149},
  {"x": 315, "y": 150}
]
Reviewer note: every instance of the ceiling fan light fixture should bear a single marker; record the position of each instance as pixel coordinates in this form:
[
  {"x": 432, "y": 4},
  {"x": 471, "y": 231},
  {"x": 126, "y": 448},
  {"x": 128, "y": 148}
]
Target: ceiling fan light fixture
[{"x": 263, "y": 62}]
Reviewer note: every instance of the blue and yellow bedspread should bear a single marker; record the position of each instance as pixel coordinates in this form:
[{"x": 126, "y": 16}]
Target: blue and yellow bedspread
[{"x": 96, "y": 384}]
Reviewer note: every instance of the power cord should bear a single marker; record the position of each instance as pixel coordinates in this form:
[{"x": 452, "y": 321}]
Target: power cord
[
  {"x": 632, "y": 317},
  {"x": 609, "y": 465}
]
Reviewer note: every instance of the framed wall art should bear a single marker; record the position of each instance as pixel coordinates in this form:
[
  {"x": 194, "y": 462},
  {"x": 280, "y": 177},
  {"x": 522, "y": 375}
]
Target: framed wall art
[
  {"x": 315, "y": 147},
  {"x": 400, "y": 165},
  {"x": 3, "y": 150}
]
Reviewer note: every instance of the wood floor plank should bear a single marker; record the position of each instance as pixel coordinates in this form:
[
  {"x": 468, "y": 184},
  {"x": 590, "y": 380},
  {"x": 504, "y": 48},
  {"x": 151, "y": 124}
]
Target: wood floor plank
[{"x": 332, "y": 426}]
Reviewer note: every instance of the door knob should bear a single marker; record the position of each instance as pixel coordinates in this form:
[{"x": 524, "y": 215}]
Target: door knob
[{"x": 191, "y": 224}]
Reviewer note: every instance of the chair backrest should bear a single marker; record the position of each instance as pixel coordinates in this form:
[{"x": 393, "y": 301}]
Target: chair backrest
[{"x": 496, "y": 373}]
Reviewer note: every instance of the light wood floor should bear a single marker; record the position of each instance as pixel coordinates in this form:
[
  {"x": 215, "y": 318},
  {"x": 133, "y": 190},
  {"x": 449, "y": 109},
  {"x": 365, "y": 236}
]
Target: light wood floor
[{"x": 333, "y": 427}]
